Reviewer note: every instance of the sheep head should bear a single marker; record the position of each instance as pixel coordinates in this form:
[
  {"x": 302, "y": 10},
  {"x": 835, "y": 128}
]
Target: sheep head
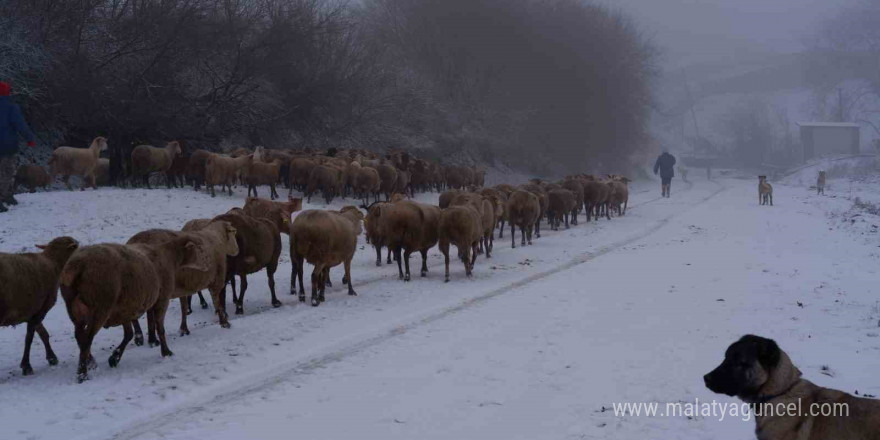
[
  {"x": 61, "y": 247},
  {"x": 197, "y": 258},
  {"x": 231, "y": 243},
  {"x": 100, "y": 143},
  {"x": 174, "y": 148}
]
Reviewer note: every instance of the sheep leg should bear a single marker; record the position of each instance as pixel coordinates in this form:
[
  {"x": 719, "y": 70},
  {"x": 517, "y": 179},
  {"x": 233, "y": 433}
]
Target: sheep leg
[
  {"x": 522, "y": 231},
  {"x": 538, "y": 228},
  {"x": 274, "y": 194},
  {"x": 161, "y": 308},
  {"x": 44, "y": 337},
  {"x": 152, "y": 340},
  {"x": 26, "y": 369},
  {"x": 232, "y": 283},
  {"x": 211, "y": 186},
  {"x": 66, "y": 180},
  {"x": 389, "y": 255},
  {"x": 406, "y": 263},
  {"x": 424, "y": 253},
  {"x": 239, "y": 306},
  {"x": 229, "y": 187},
  {"x": 138, "y": 333},
  {"x": 270, "y": 273},
  {"x": 185, "y": 309},
  {"x": 202, "y": 301},
  {"x": 126, "y": 338},
  {"x": 316, "y": 278},
  {"x": 147, "y": 181},
  {"x": 218, "y": 297},
  {"x": 445, "y": 250},
  {"x": 84, "y": 335},
  {"x": 529, "y": 235},
  {"x": 501, "y": 229},
  {"x": 566, "y": 221},
  {"x": 293, "y": 270},
  {"x": 512, "y": 236},
  {"x": 347, "y": 266},
  {"x": 397, "y": 257},
  {"x": 378, "y": 255},
  {"x": 302, "y": 286},
  {"x": 490, "y": 243}
]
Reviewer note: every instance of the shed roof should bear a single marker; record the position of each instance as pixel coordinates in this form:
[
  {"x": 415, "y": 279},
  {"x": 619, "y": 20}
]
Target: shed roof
[{"x": 829, "y": 124}]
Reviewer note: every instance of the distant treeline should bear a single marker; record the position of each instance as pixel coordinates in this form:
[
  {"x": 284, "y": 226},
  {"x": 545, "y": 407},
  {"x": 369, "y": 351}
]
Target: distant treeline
[{"x": 527, "y": 82}]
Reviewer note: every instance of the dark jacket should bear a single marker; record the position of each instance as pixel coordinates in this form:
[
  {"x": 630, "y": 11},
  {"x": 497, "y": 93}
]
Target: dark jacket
[
  {"x": 12, "y": 126},
  {"x": 666, "y": 165}
]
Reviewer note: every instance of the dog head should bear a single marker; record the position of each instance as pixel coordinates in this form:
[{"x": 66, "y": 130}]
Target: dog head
[
  {"x": 762, "y": 179},
  {"x": 753, "y": 368}
]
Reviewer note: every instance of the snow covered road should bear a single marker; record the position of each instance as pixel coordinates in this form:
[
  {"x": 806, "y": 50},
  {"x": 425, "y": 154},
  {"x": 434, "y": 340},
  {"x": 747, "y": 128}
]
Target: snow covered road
[{"x": 543, "y": 338}]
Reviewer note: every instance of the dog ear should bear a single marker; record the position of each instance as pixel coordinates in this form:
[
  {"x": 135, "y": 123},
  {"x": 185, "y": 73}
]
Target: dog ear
[{"x": 769, "y": 353}]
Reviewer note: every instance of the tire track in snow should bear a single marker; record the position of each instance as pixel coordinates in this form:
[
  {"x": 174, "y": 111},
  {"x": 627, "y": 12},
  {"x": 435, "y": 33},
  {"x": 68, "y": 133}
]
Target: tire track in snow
[
  {"x": 389, "y": 276},
  {"x": 280, "y": 373}
]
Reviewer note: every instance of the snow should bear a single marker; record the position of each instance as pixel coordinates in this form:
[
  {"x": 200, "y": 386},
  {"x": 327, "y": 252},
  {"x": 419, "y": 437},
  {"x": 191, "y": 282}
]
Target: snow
[{"x": 535, "y": 345}]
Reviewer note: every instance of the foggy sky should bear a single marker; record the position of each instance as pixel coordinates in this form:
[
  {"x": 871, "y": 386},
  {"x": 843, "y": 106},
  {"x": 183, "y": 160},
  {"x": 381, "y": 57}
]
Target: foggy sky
[{"x": 695, "y": 31}]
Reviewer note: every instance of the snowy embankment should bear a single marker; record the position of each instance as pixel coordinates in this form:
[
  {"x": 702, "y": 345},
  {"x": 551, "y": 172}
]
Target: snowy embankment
[{"x": 534, "y": 346}]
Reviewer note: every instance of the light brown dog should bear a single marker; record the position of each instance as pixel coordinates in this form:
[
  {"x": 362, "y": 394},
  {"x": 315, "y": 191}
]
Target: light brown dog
[
  {"x": 757, "y": 371},
  {"x": 765, "y": 191},
  {"x": 820, "y": 183}
]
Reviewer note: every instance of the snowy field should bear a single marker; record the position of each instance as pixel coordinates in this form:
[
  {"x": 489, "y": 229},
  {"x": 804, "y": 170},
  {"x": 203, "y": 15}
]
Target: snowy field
[{"x": 538, "y": 345}]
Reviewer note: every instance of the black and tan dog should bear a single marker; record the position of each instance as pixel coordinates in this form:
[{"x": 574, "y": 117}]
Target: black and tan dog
[
  {"x": 757, "y": 371},
  {"x": 820, "y": 183},
  {"x": 765, "y": 191}
]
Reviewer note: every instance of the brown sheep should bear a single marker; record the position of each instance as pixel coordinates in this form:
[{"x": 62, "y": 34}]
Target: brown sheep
[
  {"x": 375, "y": 234},
  {"x": 388, "y": 176},
  {"x": 461, "y": 226},
  {"x": 499, "y": 206},
  {"x": 259, "y": 247},
  {"x": 108, "y": 285},
  {"x": 409, "y": 227},
  {"x": 505, "y": 188},
  {"x": 446, "y": 198},
  {"x": 102, "y": 172},
  {"x": 324, "y": 178},
  {"x": 457, "y": 177},
  {"x": 239, "y": 152},
  {"x": 217, "y": 239},
  {"x": 366, "y": 182},
  {"x": 542, "y": 199},
  {"x": 276, "y": 212},
  {"x": 619, "y": 194},
  {"x": 69, "y": 161},
  {"x": 29, "y": 290},
  {"x": 177, "y": 171},
  {"x": 261, "y": 173},
  {"x": 403, "y": 184},
  {"x": 488, "y": 222},
  {"x": 146, "y": 159},
  {"x": 562, "y": 203},
  {"x": 324, "y": 239},
  {"x": 523, "y": 209},
  {"x": 300, "y": 170},
  {"x": 32, "y": 176},
  {"x": 594, "y": 196},
  {"x": 223, "y": 170},
  {"x": 576, "y": 187},
  {"x": 195, "y": 168}
]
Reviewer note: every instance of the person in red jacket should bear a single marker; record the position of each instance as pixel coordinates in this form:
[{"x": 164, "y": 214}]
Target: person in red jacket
[{"x": 12, "y": 125}]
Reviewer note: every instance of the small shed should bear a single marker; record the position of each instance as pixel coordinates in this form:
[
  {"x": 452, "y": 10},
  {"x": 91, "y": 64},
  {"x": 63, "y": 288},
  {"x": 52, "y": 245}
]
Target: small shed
[{"x": 829, "y": 138}]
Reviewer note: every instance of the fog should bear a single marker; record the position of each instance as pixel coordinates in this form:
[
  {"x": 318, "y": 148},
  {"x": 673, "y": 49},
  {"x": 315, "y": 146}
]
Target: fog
[{"x": 698, "y": 31}]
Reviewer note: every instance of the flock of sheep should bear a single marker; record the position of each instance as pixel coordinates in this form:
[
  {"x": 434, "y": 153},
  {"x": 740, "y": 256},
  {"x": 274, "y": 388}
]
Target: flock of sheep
[{"x": 108, "y": 285}]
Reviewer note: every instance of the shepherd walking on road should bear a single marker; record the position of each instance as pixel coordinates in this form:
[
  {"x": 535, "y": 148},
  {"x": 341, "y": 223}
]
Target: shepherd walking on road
[
  {"x": 12, "y": 126},
  {"x": 666, "y": 166}
]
